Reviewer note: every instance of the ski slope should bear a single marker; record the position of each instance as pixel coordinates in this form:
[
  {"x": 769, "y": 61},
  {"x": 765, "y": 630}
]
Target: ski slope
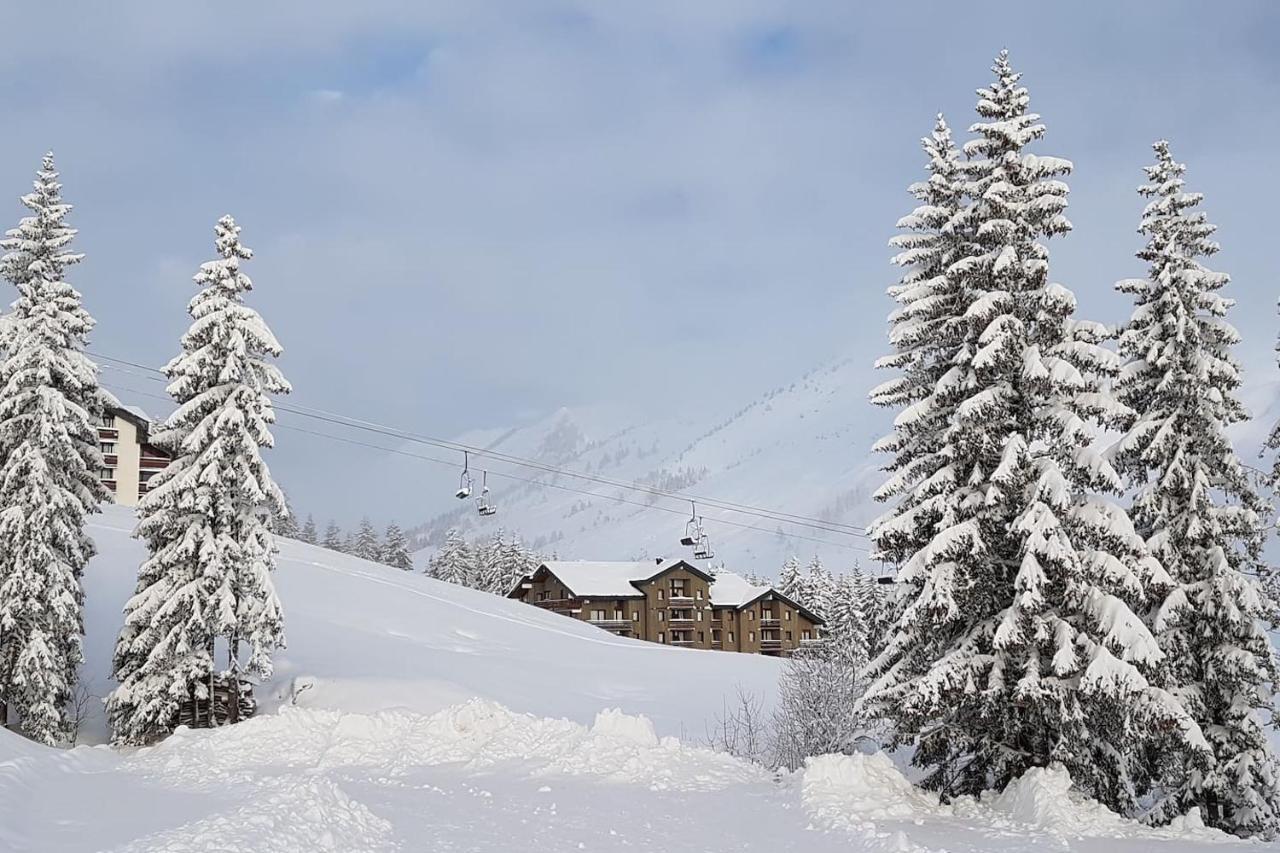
[{"x": 408, "y": 715}]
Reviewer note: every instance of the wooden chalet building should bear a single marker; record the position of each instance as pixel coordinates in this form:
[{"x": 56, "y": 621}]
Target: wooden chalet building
[{"x": 674, "y": 603}]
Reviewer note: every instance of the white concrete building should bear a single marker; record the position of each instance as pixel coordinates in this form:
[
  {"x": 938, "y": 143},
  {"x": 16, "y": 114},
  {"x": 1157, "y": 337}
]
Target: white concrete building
[{"x": 128, "y": 460}]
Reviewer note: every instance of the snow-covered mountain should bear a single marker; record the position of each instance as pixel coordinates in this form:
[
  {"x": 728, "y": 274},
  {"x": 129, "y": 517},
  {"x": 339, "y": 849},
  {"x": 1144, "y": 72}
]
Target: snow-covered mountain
[{"x": 803, "y": 449}]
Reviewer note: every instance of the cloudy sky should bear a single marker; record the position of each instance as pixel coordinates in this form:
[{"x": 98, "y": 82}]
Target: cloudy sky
[{"x": 469, "y": 214}]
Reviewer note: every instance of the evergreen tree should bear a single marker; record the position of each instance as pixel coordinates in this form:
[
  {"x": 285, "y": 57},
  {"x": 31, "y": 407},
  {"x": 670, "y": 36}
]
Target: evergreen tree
[
  {"x": 207, "y": 518},
  {"x": 789, "y": 578},
  {"x": 308, "y": 533},
  {"x": 333, "y": 537},
  {"x": 286, "y": 524},
  {"x": 50, "y": 405},
  {"x": 366, "y": 544},
  {"x": 927, "y": 332},
  {"x": 1196, "y": 507},
  {"x": 455, "y": 561},
  {"x": 395, "y": 548},
  {"x": 1017, "y": 644}
]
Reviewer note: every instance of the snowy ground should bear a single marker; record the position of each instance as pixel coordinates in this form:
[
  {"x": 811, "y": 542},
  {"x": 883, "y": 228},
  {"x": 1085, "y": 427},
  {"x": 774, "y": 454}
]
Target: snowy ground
[{"x": 445, "y": 720}]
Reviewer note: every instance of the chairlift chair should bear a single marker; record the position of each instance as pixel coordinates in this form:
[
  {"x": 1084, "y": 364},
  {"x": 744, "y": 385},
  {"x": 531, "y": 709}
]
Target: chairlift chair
[
  {"x": 483, "y": 505},
  {"x": 692, "y": 530},
  {"x": 702, "y": 550},
  {"x": 464, "y": 480}
]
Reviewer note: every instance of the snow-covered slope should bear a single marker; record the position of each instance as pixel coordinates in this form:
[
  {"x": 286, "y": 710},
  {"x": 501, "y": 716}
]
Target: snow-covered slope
[
  {"x": 802, "y": 449},
  {"x": 413, "y": 716},
  {"x": 368, "y": 637}
]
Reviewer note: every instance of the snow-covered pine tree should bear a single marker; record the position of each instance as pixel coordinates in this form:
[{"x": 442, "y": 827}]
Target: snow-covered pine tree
[
  {"x": 207, "y": 517},
  {"x": 1196, "y": 507},
  {"x": 333, "y": 539},
  {"x": 789, "y": 577},
  {"x": 455, "y": 561},
  {"x": 1017, "y": 644},
  {"x": 287, "y": 523},
  {"x": 366, "y": 544},
  {"x": 50, "y": 405},
  {"x": 926, "y": 332},
  {"x": 817, "y": 588},
  {"x": 308, "y": 533},
  {"x": 395, "y": 548},
  {"x": 848, "y": 627}
]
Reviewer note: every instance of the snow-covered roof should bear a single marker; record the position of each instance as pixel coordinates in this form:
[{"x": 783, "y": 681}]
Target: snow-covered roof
[
  {"x": 732, "y": 590},
  {"x": 138, "y": 412},
  {"x": 584, "y": 577},
  {"x": 587, "y": 578}
]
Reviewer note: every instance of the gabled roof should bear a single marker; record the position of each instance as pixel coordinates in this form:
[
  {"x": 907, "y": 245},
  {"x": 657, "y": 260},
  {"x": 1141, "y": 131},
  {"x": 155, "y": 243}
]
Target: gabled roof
[
  {"x": 590, "y": 579},
  {"x": 733, "y": 590}
]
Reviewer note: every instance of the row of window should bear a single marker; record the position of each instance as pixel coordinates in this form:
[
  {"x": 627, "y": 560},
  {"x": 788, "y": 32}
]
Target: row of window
[{"x": 805, "y": 636}]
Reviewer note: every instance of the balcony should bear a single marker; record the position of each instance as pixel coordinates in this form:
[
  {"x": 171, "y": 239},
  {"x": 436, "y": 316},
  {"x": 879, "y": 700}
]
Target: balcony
[
  {"x": 615, "y": 625},
  {"x": 110, "y": 460},
  {"x": 110, "y": 484},
  {"x": 770, "y": 622},
  {"x": 680, "y": 598},
  {"x": 153, "y": 463},
  {"x": 682, "y": 642}
]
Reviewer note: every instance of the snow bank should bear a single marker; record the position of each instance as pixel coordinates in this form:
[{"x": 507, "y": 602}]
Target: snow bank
[
  {"x": 308, "y": 816},
  {"x": 865, "y": 792},
  {"x": 474, "y": 734},
  {"x": 852, "y": 790}
]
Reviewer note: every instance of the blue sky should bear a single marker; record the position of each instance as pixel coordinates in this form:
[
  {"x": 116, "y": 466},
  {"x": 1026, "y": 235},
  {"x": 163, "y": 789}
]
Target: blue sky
[{"x": 468, "y": 214}]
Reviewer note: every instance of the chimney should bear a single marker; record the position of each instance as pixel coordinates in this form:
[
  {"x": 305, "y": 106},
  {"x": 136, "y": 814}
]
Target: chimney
[{"x": 658, "y": 561}]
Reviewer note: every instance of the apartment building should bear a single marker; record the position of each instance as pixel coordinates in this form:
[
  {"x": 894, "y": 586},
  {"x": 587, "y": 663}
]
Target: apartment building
[
  {"x": 675, "y": 603},
  {"x": 129, "y": 461}
]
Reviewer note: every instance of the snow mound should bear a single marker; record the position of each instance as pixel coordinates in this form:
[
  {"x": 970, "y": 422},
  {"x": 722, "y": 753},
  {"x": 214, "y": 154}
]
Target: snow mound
[
  {"x": 847, "y": 791},
  {"x": 309, "y": 816},
  {"x": 1043, "y": 798},
  {"x": 867, "y": 793},
  {"x": 475, "y": 734}
]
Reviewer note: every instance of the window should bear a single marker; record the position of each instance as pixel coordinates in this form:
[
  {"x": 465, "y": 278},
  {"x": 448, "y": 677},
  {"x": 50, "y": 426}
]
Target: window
[
  {"x": 109, "y": 421},
  {"x": 659, "y": 595},
  {"x": 108, "y": 447},
  {"x": 144, "y": 476},
  {"x": 731, "y": 636},
  {"x": 662, "y": 638},
  {"x": 698, "y": 595},
  {"x": 699, "y": 616},
  {"x": 804, "y": 635},
  {"x": 786, "y": 614},
  {"x": 677, "y": 587},
  {"x": 661, "y": 616},
  {"x": 728, "y": 614},
  {"x": 788, "y": 636},
  {"x": 597, "y": 616},
  {"x": 751, "y": 615},
  {"x": 700, "y": 637},
  {"x": 107, "y": 474},
  {"x": 542, "y": 596},
  {"x": 619, "y": 616},
  {"x": 635, "y": 615},
  {"x": 751, "y": 637}
]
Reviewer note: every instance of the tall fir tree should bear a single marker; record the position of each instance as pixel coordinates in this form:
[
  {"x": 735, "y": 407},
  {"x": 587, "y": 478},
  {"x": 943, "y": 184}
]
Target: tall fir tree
[
  {"x": 1196, "y": 507},
  {"x": 286, "y": 524},
  {"x": 395, "y": 548},
  {"x": 1017, "y": 643},
  {"x": 333, "y": 539},
  {"x": 50, "y": 406},
  {"x": 366, "y": 544},
  {"x": 927, "y": 332},
  {"x": 455, "y": 562},
  {"x": 207, "y": 518},
  {"x": 308, "y": 533},
  {"x": 789, "y": 577}
]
